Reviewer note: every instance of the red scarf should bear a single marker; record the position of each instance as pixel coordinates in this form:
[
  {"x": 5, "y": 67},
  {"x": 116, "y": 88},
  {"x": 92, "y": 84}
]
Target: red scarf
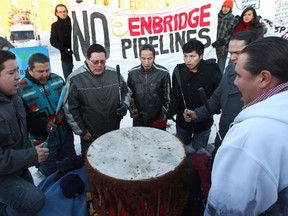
[{"x": 243, "y": 26}]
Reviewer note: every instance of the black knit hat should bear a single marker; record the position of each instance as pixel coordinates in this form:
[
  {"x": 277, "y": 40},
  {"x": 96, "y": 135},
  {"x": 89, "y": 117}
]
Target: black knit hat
[{"x": 72, "y": 185}]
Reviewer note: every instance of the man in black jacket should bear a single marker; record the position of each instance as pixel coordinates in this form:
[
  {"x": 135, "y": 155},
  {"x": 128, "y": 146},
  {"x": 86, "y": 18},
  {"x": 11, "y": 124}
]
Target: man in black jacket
[
  {"x": 60, "y": 38},
  {"x": 187, "y": 78},
  {"x": 150, "y": 86},
  {"x": 226, "y": 98}
]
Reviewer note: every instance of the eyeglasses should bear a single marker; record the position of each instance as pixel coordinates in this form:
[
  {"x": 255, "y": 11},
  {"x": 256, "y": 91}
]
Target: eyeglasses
[{"x": 96, "y": 62}]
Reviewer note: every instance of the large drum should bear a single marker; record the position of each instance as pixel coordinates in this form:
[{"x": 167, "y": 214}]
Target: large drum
[{"x": 137, "y": 171}]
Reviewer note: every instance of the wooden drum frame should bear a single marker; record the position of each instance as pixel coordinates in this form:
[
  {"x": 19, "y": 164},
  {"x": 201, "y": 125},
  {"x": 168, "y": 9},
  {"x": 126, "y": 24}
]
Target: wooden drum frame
[{"x": 137, "y": 171}]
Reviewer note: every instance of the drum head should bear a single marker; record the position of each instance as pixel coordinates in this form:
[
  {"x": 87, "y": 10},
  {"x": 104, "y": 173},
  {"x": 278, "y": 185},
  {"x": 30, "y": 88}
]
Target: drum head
[{"x": 136, "y": 153}]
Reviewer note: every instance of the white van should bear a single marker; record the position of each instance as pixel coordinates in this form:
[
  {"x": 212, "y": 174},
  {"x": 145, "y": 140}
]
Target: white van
[{"x": 24, "y": 35}]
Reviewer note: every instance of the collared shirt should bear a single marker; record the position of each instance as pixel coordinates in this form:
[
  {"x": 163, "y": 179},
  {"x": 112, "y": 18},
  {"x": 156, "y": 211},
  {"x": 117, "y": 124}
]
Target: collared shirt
[{"x": 271, "y": 92}]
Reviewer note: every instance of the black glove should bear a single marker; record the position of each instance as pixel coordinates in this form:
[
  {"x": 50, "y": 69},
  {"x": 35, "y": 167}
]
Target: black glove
[
  {"x": 218, "y": 43},
  {"x": 221, "y": 42},
  {"x": 214, "y": 44},
  {"x": 122, "y": 109},
  {"x": 68, "y": 51}
]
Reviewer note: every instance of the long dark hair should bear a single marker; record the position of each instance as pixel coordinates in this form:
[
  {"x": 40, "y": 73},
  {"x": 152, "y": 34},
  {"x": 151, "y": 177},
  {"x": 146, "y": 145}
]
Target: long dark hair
[{"x": 247, "y": 9}]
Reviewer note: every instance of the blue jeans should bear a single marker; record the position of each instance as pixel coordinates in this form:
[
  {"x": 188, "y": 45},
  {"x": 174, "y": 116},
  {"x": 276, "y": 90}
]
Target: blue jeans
[
  {"x": 19, "y": 196},
  {"x": 67, "y": 68},
  {"x": 198, "y": 140},
  {"x": 57, "y": 154}
]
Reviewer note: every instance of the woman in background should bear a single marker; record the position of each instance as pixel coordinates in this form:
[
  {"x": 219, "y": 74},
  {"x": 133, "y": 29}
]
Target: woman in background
[{"x": 250, "y": 21}]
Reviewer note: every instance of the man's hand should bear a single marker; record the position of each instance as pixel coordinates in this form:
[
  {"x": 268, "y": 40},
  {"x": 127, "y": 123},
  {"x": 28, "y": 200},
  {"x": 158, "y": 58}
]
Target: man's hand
[
  {"x": 218, "y": 43},
  {"x": 189, "y": 115},
  {"x": 134, "y": 113},
  {"x": 68, "y": 51},
  {"x": 122, "y": 110},
  {"x": 214, "y": 44},
  {"x": 50, "y": 126},
  {"x": 87, "y": 136},
  {"x": 221, "y": 42},
  {"x": 42, "y": 153}
]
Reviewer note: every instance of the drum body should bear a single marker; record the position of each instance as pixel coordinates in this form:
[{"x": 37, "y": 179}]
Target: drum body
[{"x": 137, "y": 171}]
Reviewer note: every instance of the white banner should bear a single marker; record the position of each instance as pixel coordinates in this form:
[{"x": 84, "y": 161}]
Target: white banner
[
  {"x": 123, "y": 31},
  {"x": 277, "y": 28}
]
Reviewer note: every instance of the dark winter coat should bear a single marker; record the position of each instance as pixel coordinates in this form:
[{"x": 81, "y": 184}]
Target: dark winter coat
[
  {"x": 208, "y": 76},
  {"x": 92, "y": 101},
  {"x": 40, "y": 102},
  {"x": 61, "y": 37},
  {"x": 255, "y": 26},
  {"x": 225, "y": 27},
  {"x": 227, "y": 99},
  {"x": 16, "y": 153},
  {"x": 150, "y": 91}
]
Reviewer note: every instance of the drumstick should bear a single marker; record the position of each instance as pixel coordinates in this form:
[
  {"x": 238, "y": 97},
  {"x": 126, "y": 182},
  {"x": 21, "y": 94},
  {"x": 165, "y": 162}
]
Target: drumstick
[
  {"x": 167, "y": 112},
  {"x": 203, "y": 97},
  {"x": 61, "y": 99},
  {"x": 119, "y": 87},
  {"x": 59, "y": 105}
]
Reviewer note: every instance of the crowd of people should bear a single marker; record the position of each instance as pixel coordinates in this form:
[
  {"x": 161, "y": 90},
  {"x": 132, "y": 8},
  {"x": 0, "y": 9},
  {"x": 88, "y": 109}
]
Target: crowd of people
[{"x": 41, "y": 113}]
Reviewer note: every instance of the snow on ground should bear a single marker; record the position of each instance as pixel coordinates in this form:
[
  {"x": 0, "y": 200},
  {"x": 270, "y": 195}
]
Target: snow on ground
[{"x": 56, "y": 67}]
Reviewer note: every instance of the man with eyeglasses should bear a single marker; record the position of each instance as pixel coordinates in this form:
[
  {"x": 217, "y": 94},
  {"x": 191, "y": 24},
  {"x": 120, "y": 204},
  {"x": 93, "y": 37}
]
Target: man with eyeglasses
[
  {"x": 150, "y": 86},
  {"x": 40, "y": 90},
  {"x": 97, "y": 98}
]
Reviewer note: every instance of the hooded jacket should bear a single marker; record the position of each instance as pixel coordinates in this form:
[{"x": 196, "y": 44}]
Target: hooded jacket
[{"x": 250, "y": 175}]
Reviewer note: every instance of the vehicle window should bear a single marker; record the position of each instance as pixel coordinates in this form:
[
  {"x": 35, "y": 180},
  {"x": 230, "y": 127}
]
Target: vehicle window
[{"x": 23, "y": 35}]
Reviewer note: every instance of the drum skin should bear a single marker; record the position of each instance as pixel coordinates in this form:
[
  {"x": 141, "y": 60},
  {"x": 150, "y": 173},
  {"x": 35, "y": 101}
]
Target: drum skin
[{"x": 137, "y": 193}]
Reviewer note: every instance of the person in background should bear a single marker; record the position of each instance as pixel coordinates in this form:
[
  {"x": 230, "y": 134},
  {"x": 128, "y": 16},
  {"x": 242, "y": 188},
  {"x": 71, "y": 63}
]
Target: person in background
[
  {"x": 250, "y": 21},
  {"x": 150, "y": 86},
  {"x": 97, "y": 98},
  {"x": 226, "y": 98},
  {"x": 60, "y": 38},
  {"x": 225, "y": 27},
  {"x": 255, "y": 148},
  {"x": 18, "y": 194},
  {"x": 40, "y": 91}
]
